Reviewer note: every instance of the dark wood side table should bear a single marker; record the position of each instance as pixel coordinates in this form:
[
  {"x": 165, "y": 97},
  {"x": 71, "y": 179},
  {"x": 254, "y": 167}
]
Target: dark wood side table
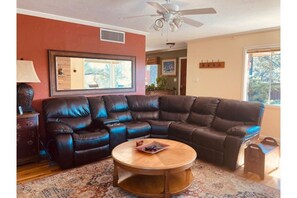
[
  {"x": 262, "y": 158},
  {"x": 27, "y": 138}
]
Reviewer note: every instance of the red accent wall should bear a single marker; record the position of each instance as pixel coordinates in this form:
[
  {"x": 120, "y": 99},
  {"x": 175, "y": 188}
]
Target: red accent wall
[{"x": 36, "y": 35}]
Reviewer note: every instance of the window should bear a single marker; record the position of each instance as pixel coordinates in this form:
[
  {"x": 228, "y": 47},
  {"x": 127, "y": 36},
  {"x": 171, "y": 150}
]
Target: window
[
  {"x": 151, "y": 74},
  {"x": 107, "y": 74},
  {"x": 263, "y": 82}
]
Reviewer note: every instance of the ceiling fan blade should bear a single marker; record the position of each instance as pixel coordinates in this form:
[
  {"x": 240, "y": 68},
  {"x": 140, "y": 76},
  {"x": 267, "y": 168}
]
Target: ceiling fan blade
[
  {"x": 131, "y": 17},
  {"x": 198, "y": 11},
  {"x": 192, "y": 22},
  {"x": 158, "y": 7}
]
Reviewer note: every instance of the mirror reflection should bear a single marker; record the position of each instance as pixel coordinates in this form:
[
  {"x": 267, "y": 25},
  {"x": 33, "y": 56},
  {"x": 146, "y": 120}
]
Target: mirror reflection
[
  {"x": 73, "y": 73},
  {"x": 82, "y": 73}
]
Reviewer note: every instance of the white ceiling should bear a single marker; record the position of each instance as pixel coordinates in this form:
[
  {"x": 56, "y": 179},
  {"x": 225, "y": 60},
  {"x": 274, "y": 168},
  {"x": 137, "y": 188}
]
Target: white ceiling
[{"x": 233, "y": 16}]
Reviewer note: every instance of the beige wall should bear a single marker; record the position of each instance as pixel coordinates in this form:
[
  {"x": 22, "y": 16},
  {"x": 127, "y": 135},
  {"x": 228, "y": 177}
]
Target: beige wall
[
  {"x": 228, "y": 82},
  {"x": 271, "y": 122}
]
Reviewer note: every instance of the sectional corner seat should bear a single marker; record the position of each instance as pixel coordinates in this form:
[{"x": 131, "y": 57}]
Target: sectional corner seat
[{"x": 83, "y": 129}]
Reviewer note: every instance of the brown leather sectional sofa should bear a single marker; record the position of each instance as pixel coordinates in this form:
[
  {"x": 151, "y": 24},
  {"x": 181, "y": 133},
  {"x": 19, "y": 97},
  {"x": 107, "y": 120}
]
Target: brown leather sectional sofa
[{"x": 84, "y": 129}]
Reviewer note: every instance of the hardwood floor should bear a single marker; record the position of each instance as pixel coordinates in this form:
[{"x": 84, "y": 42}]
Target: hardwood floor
[
  {"x": 46, "y": 168},
  {"x": 272, "y": 179},
  {"x": 37, "y": 170}
]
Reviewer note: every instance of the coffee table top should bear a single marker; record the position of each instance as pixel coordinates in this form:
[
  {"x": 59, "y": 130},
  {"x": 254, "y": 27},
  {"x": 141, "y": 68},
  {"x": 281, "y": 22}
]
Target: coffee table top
[{"x": 176, "y": 155}]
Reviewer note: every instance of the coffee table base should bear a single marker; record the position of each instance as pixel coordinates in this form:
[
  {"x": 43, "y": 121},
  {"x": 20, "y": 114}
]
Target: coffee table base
[{"x": 153, "y": 185}]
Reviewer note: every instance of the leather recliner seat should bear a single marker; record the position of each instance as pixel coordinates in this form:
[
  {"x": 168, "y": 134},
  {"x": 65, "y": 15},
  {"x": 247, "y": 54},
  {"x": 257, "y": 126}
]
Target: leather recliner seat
[
  {"x": 83, "y": 129},
  {"x": 73, "y": 137},
  {"x": 117, "y": 107}
]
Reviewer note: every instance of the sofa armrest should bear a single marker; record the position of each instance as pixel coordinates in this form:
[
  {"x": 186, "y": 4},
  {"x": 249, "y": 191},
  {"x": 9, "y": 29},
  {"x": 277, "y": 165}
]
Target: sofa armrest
[
  {"x": 117, "y": 134},
  {"x": 64, "y": 147},
  {"x": 243, "y": 130},
  {"x": 55, "y": 128}
]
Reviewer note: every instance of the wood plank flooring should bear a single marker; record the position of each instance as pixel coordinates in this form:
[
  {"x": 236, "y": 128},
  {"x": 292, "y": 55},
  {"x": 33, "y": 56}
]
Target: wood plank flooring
[
  {"x": 46, "y": 168},
  {"x": 37, "y": 170}
]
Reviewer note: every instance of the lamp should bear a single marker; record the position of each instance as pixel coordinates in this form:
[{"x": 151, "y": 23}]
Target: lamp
[
  {"x": 175, "y": 21},
  {"x": 172, "y": 26},
  {"x": 25, "y": 93},
  {"x": 171, "y": 45},
  {"x": 158, "y": 24}
]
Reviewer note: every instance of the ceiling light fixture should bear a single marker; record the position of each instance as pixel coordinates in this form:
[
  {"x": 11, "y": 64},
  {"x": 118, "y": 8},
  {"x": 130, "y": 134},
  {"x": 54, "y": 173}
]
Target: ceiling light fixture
[
  {"x": 171, "y": 17},
  {"x": 171, "y": 45},
  {"x": 174, "y": 21},
  {"x": 158, "y": 24}
]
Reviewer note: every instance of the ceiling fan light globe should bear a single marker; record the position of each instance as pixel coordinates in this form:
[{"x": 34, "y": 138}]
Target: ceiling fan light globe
[
  {"x": 177, "y": 22},
  {"x": 159, "y": 23},
  {"x": 172, "y": 27},
  {"x": 156, "y": 27}
]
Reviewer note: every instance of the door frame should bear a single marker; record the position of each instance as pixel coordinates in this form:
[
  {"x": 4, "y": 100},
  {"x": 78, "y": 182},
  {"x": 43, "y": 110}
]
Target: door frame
[{"x": 179, "y": 73}]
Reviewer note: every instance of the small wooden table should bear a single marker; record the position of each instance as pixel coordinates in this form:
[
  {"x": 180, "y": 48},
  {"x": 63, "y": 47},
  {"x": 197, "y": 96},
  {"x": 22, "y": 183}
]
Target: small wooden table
[
  {"x": 153, "y": 175},
  {"x": 27, "y": 138},
  {"x": 262, "y": 158}
]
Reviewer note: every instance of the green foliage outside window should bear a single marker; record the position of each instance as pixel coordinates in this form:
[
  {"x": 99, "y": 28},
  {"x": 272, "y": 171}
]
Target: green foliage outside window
[{"x": 264, "y": 77}]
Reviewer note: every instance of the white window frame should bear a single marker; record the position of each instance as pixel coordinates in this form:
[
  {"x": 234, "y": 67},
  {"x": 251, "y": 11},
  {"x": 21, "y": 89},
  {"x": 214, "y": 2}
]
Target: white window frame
[{"x": 245, "y": 77}]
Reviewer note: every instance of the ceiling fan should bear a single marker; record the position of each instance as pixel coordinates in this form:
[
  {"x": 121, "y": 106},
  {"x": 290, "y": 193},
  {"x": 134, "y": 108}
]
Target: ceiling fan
[{"x": 171, "y": 14}]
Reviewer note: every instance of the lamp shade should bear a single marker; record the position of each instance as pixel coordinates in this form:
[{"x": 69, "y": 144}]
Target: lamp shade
[{"x": 26, "y": 72}]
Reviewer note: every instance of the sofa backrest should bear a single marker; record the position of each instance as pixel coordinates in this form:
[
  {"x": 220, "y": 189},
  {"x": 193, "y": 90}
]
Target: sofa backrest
[
  {"x": 97, "y": 107},
  {"x": 234, "y": 112},
  {"x": 175, "y": 108},
  {"x": 143, "y": 107},
  {"x": 203, "y": 111},
  {"x": 74, "y": 111},
  {"x": 117, "y": 107}
]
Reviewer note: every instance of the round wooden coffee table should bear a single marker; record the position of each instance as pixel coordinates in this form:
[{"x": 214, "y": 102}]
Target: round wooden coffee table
[{"x": 153, "y": 175}]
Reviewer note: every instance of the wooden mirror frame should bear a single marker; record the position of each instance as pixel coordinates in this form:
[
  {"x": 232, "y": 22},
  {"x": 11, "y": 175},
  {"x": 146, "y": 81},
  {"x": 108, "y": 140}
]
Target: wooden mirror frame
[{"x": 53, "y": 71}]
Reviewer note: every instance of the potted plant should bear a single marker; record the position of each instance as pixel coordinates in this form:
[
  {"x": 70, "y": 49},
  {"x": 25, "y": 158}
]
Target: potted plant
[{"x": 160, "y": 89}]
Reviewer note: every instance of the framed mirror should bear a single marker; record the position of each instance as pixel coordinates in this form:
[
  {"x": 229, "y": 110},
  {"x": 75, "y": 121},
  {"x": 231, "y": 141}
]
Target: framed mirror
[{"x": 79, "y": 73}]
